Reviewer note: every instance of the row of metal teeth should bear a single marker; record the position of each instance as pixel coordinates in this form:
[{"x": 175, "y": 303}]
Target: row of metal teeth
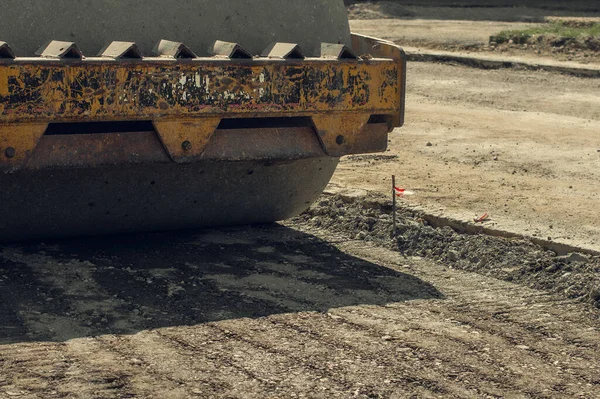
[{"x": 169, "y": 49}]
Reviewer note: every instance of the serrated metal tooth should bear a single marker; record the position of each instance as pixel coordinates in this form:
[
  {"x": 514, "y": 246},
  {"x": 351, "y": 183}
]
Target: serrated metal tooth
[
  {"x": 283, "y": 51},
  {"x": 5, "y": 51},
  {"x": 170, "y": 49},
  {"x": 338, "y": 51},
  {"x": 121, "y": 50},
  {"x": 229, "y": 50},
  {"x": 60, "y": 49}
]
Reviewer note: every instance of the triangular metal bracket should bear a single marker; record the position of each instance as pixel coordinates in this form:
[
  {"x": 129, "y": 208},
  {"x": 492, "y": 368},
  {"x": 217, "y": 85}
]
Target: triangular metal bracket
[
  {"x": 229, "y": 50},
  {"x": 350, "y": 134},
  {"x": 283, "y": 51},
  {"x": 6, "y": 51},
  {"x": 59, "y": 49},
  {"x": 170, "y": 49},
  {"x": 338, "y": 51},
  {"x": 186, "y": 139},
  {"x": 17, "y": 143},
  {"x": 121, "y": 50}
]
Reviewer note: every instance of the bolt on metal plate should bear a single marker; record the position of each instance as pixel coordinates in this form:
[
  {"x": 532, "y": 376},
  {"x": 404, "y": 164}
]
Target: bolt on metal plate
[
  {"x": 10, "y": 152},
  {"x": 186, "y": 145}
]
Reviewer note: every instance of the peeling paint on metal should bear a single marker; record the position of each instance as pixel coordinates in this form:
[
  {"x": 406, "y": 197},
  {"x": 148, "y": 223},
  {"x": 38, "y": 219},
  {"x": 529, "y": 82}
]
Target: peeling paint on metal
[{"x": 147, "y": 90}]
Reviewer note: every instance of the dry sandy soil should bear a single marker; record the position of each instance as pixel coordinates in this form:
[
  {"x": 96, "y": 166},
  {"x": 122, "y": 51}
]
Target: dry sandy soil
[
  {"x": 472, "y": 10},
  {"x": 278, "y": 312},
  {"x": 446, "y": 34}
]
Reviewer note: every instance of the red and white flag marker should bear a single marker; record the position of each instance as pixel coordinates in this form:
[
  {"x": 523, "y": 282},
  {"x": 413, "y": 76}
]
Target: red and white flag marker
[
  {"x": 397, "y": 192},
  {"x": 401, "y": 192}
]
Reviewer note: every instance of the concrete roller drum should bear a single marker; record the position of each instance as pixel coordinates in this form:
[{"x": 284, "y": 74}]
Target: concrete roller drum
[
  {"x": 92, "y": 24},
  {"x": 126, "y": 140}
]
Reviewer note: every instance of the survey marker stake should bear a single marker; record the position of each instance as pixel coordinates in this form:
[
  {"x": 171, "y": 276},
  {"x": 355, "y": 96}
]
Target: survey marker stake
[{"x": 393, "y": 206}]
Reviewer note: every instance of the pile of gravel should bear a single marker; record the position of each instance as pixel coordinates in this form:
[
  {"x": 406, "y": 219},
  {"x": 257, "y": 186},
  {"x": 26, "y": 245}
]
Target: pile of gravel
[{"x": 369, "y": 218}]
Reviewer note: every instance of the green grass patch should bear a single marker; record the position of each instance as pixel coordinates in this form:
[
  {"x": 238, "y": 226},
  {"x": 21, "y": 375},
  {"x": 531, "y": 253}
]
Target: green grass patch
[{"x": 559, "y": 29}]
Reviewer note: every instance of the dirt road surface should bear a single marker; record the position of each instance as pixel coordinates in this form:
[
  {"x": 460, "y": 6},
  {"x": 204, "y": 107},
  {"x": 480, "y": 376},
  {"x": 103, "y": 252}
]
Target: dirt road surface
[
  {"x": 436, "y": 33},
  {"x": 473, "y": 36},
  {"x": 472, "y": 10},
  {"x": 277, "y": 312}
]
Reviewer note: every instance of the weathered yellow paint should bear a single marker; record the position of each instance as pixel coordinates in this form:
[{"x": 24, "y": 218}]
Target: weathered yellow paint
[
  {"x": 92, "y": 90},
  {"x": 386, "y": 49},
  {"x": 186, "y": 99},
  {"x": 20, "y": 140},
  {"x": 3, "y": 86},
  {"x": 349, "y": 135},
  {"x": 186, "y": 139}
]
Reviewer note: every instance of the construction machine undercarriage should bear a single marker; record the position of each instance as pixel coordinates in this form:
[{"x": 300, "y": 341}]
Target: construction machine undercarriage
[{"x": 238, "y": 133}]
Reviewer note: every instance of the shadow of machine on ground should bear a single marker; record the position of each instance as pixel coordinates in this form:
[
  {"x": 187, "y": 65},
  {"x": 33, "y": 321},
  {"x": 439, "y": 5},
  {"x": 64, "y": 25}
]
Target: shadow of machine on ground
[{"x": 125, "y": 284}]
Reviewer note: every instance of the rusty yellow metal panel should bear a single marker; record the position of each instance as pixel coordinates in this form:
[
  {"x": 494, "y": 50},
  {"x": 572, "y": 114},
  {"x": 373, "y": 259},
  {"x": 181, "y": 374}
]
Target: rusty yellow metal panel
[
  {"x": 186, "y": 139},
  {"x": 55, "y": 91},
  {"x": 350, "y": 135},
  {"x": 17, "y": 142},
  {"x": 353, "y": 103},
  {"x": 385, "y": 49}
]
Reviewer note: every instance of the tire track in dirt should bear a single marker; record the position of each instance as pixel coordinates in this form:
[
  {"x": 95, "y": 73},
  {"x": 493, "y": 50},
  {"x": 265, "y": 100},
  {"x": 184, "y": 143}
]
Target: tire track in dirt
[
  {"x": 481, "y": 348},
  {"x": 214, "y": 356},
  {"x": 531, "y": 312},
  {"x": 333, "y": 359},
  {"x": 70, "y": 301},
  {"x": 59, "y": 370},
  {"x": 41, "y": 367},
  {"x": 111, "y": 374},
  {"x": 291, "y": 330},
  {"x": 278, "y": 370},
  {"x": 385, "y": 349}
]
